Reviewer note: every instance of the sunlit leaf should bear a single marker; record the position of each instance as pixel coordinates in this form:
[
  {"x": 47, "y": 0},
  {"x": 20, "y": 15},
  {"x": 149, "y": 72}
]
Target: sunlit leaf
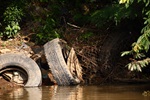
[
  {"x": 125, "y": 53},
  {"x": 122, "y": 1},
  {"x": 137, "y": 48},
  {"x": 135, "y": 66},
  {"x": 139, "y": 68},
  {"x": 132, "y": 68},
  {"x": 129, "y": 66}
]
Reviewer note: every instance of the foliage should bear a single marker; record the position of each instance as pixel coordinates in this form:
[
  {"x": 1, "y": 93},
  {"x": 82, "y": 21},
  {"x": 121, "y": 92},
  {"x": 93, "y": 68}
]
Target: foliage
[
  {"x": 114, "y": 13},
  {"x": 12, "y": 17},
  {"x": 47, "y": 19},
  {"x": 55, "y": 17},
  {"x": 141, "y": 46},
  {"x": 86, "y": 35},
  {"x": 47, "y": 31},
  {"x": 138, "y": 65}
]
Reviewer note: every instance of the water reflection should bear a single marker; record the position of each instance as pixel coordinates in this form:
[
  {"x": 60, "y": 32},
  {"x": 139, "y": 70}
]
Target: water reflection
[
  {"x": 122, "y": 92},
  {"x": 68, "y": 93}
]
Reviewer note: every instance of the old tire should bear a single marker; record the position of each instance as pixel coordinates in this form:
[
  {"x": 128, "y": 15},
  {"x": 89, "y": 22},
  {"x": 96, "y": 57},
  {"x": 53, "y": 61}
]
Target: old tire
[
  {"x": 25, "y": 63},
  {"x": 57, "y": 64}
]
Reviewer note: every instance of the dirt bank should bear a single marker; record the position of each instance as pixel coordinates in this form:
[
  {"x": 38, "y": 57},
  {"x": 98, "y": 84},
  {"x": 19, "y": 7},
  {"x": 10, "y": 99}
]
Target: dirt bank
[
  {"x": 99, "y": 56},
  {"x": 6, "y": 86}
]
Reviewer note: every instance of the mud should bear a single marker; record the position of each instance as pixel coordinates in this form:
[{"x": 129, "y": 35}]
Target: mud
[{"x": 6, "y": 86}]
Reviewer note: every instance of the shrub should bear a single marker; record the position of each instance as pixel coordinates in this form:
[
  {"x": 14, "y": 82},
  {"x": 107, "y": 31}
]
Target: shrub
[{"x": 12, "y": 17}]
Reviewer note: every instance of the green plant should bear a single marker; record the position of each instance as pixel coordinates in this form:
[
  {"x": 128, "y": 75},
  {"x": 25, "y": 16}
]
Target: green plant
[
  {"x": 12, "y": 17},
  {"x": 86, "y": 35},
  {"x": 47, "y": 30},
  {"x": 141, "y": 46},
  {"x": 112, "y": 13}
]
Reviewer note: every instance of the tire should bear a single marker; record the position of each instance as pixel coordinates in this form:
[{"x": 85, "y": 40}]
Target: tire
[
  {"x": 57, "y": 64},
  {"x": 24, "y": 63}
]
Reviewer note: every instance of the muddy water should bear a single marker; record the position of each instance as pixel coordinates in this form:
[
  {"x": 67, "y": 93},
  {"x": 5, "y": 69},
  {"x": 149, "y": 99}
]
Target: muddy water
[{"x": 107, "y": 92}]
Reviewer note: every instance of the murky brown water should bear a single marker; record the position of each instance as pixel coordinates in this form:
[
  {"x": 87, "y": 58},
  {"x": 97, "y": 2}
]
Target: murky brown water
[{"x": 109, "y": 92}]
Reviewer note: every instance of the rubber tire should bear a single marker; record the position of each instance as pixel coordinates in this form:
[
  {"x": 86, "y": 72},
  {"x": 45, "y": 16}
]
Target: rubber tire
[
  {"x": 57, "y": 64},
  {"x": 27, "y": 64}
]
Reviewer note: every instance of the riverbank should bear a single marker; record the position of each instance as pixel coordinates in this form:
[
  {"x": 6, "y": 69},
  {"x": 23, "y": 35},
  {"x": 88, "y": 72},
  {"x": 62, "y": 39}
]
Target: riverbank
[{"x": 6, "y": 86}]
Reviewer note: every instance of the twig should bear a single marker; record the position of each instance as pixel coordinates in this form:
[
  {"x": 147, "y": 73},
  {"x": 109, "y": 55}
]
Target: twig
[
  {"x": 73, "y": 25},
  {"x": 87, "y": 59}
]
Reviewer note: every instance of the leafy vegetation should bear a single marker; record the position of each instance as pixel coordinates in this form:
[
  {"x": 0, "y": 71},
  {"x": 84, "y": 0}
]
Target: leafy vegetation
[
  {"x": 12, "y": 17},
  {"x": 47, "y": 31},
  {"x": 113, "y": 13},
  {"x": 141, "y": 46}
]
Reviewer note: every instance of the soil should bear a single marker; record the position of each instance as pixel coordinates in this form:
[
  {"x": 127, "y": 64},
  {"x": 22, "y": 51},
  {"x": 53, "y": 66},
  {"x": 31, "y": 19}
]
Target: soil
[
  {"x": 15, "y": 45},
  {"x": 6, "y": 86}
]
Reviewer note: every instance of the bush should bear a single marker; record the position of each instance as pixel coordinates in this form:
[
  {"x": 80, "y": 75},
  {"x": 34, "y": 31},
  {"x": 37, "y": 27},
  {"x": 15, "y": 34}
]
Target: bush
[{"x": 12, "y": 17}]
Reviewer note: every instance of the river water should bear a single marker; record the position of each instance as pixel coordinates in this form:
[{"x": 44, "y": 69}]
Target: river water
[{"x": 102, "y": 92}]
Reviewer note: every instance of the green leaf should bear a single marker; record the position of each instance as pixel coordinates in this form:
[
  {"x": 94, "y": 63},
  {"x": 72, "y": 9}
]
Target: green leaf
[
  {"x": 129, "y": 66},
  {"x": 139, "y": 68},
  {"x": 125, "y": 53},
  {"x": 8, "y": 27},
  {"x": 132, "y": 68},
  {"x": 122, "y": 1},
  {"x": 147, "y": 3},
  {"x": 7, "y": 33},
  {"x": 15, "y": 31}
]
